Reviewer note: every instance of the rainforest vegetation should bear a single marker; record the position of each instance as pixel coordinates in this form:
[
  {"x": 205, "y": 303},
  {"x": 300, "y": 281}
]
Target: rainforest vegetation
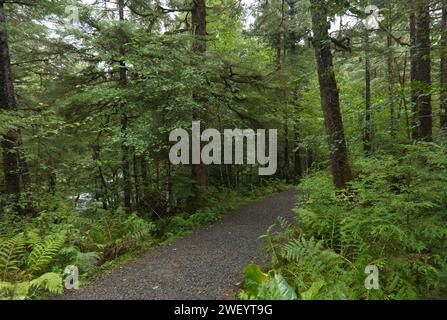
[{"x": 90, "y": 91}]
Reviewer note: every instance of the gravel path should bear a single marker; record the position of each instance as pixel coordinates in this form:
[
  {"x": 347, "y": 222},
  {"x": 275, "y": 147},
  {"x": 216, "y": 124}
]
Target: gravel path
[{"x": 207, "y": 264}]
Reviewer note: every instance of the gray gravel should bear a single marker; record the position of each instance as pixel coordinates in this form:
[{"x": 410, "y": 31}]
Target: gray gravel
[{"x": 208, "y": 264}]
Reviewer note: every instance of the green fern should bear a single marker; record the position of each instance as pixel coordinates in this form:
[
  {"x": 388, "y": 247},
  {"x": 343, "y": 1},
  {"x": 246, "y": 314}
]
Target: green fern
[
  {"x": 11, "y": 254},
  {"x": 310, "y": 252},
  {"x": 44, "y": 252},
  {"x": 50, "y": 282}
]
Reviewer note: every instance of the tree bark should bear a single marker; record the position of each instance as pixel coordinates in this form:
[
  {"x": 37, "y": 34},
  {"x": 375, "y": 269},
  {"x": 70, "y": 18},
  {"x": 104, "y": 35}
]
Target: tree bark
[
  {"x": 136, "y": 179},
  {"x": 125, "y": 163},
  {"x": 413, "y": 72},
  {"x": 298, "y": 169},
  {"x": 423, "y": 74},
  {"x": 390, "y": 71},
  {"x": 11, "y": 139},
  {"x": 146, "y": 182},
  {"x": 341, "y": 169},
  {"x": 443, "y": 97},
  {"x": 199, "y": 47},
  {"x": 367, "y": 145},
  {"x": 286, "y": 151}
]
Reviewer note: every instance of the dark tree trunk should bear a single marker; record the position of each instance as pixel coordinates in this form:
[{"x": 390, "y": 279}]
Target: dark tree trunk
[
  {"x": 24, "y": 169},
  {"x": 413, "y": 72},
  {"x": 145, "y": 186},
  {"x": 168, "y": 187},
  {"x": 390, "y": 71},
  {"x": 423, "y": 74},
  {"x": 298, "y": 169},
  {"x": 286, "y": 152},
  {"x": 341, "y": 170},
  {"x": 136, "y": 179},
  {"x": 367, "y": 145},
  {"x": 403, "y": 84},
  {"x": 100, "y": 182},
  {"x": 444, "y": 66},
  {"x": 127, "y": 181},
  {"x": 52, "y": 183},
  {"x": 11, "y": 139},
  {"x": 199, "y": 47},
  {"x": 125, "y": 163},
  {"x": 95, "y": 158}
]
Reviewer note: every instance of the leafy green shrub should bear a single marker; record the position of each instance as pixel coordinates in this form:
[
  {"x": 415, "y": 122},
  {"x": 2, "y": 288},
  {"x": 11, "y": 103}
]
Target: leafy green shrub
[
  {"x": 179, "y": 224},
  {"x": 393, "y": 216},
  {"x": 22, "y": 259},
  {"x": 272, "y": 286},
  {"x": 32, "y": 261}
]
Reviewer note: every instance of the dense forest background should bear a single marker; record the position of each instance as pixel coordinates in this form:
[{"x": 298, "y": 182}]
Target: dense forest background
[{"x": 90, "y": 90}]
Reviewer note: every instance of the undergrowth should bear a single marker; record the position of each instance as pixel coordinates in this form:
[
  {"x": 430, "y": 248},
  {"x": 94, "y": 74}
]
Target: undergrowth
[
  {"x": 35, "y": 251},
  {"x": 393, "y": 216}
]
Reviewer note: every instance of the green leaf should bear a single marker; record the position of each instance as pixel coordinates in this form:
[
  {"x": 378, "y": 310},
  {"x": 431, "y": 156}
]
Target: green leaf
[
  {"x": 276, "y": 288},
  {"x": 312, "y": 292},
  {"x": 254, "y": 278}
]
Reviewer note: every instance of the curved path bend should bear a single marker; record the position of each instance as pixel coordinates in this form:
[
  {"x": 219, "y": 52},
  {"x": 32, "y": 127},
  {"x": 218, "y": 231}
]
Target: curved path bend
[{"x": 207, "y": 264}]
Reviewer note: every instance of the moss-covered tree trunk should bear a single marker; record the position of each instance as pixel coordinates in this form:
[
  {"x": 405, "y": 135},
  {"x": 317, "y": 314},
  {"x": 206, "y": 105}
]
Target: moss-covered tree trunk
[
  {"x": 423, "y": 74},
  {"x": 125, "y": 150},
  {"x": 367, "y": 143},
  {"x": 341, "y": 170},
  {"x": 198, "y": 16},
  {"x": 413, "y": 72},
  {"x": 443, "y": 97},
  {"x": 10, "y": 141}
]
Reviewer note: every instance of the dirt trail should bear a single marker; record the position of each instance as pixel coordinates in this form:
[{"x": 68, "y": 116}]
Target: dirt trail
[{"x": 207, "y": 264}]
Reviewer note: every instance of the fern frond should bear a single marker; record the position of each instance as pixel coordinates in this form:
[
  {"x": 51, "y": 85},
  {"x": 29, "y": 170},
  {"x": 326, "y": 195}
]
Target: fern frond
[
  {"x": 43, "y": 252},
  {"x": 310, "y": 252},
  {"x": 51, "y": 282},
  {"x": 11, "y": 254}
]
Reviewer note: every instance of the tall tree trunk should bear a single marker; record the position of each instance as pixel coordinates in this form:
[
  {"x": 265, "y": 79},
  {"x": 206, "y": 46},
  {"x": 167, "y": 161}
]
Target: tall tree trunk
[
  {"x": 286, "y": 151},
  {"x": 24, "y": 170},
  {"x": 402, "y": 82},
  {"x": 101, "y": 184},
  {"x": 168, "y": 187},
  {"x": 341, "y": 169},
  {"x": 444, "y": 66},
  {"x": 298, "y": 169},
  {"x": 199, "y": 47},
  {"x": 146, "y": 182},
  {"x": 125, "y": 163},
  {"x": 413, "y": 72},
  {"x": 136, "y": 180},
  {"x": 391, "y": 78},
  {"x": 11, "y": 139},
  {"x": 367, "y": 145},
  {"x": 423, "y": 74}
]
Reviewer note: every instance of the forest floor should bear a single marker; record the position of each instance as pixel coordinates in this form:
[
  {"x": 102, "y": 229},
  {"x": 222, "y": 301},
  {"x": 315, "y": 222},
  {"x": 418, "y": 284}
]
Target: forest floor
[{"x": 208, "y": 264}]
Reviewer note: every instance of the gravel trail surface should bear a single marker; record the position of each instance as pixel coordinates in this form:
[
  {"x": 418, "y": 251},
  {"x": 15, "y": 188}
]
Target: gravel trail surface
[{"x": 207, "y": 264}]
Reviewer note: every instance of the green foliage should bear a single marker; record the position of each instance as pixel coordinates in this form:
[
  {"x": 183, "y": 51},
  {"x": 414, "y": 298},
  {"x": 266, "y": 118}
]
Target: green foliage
[
  {"x": 22, "y": 257},
  {"x": 32, "y": 262},
  {"x": 11, "y": 252},
  {"x": 219, "y": 203},
  {"x": 49, "y": 282},
  {"x": 392, "y": 216},
  {"x": 43, "y": 253},
  {"x": 263, "y": 286}
]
